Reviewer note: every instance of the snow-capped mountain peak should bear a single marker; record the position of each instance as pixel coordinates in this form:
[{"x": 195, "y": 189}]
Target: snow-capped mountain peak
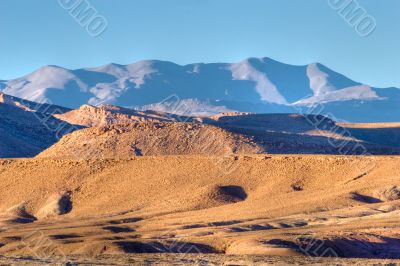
[{"x": 252, "y": 85}]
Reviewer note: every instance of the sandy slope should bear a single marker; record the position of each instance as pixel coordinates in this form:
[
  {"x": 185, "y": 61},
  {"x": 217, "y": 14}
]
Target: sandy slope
[
  {"x": 151, "y": 138},
  {"x": 370, "y": 125},
  {"x": 265, "y": 205}
]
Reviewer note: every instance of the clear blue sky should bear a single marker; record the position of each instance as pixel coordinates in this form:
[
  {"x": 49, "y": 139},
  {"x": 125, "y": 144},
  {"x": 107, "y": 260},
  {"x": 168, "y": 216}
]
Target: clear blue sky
[{"x": 41, "y": 32}]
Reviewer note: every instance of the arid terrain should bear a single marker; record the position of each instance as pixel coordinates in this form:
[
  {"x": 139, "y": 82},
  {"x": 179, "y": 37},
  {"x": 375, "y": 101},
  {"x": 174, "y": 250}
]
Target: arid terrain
[
  {"x": 199, "y": 132},
  {"x": 113, "y": 186},
  {"x": 28, "y": 129},
  {"x": 244, "y": 206}
]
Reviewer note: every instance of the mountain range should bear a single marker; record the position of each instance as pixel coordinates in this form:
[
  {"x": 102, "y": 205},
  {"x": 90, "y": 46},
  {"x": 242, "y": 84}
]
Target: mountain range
[{"x": 257, "y": 85}]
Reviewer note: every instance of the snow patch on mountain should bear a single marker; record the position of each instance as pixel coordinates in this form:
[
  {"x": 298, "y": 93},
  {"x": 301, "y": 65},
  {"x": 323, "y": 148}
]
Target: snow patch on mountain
[
  {"x": 135, "y": 73},
  {"x": 319, "y": 82},
  {"x": 187, "y": 107},
  {"x": 362, "y": 92},
  {"x": 126, "y": 77},
  {"x": 267, "y": 90},
  {"x": 140, "y": 71},
  {"x": 105, "y": 94}
]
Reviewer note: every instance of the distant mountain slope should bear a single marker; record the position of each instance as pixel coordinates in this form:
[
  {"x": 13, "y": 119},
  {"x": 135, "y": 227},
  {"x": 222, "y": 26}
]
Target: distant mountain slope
[
  {"x": 27, "y": 128},
  {"x": 259, "y": 85},
  {"x": 296, "y": 133},
  {"x": 387, "y": 134}
]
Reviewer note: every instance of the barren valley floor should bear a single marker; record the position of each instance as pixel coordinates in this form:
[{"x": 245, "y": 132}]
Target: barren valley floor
[
  {"x": 195, "y": 259},
  {"x": 195, "y": 209}
]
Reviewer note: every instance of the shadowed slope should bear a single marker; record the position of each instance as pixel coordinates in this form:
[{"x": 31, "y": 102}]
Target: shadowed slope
[{"x": 27, "y": 128}]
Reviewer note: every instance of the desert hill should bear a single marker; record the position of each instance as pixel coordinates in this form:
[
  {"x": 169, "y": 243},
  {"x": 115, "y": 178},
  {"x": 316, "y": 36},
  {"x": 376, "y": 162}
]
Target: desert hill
[
  {"x": 228, "y": 133},
  {"x": 151, "y": 138},
  {"x": 90, "y": 116}
]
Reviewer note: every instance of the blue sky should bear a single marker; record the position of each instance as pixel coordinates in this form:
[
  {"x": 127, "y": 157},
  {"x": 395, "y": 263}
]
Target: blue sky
[{"x": 41, "y": 32}]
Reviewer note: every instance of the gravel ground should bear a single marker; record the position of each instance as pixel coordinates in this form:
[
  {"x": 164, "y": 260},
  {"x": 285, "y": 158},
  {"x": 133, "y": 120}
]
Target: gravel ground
[{"x": 191, "y": 259}]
